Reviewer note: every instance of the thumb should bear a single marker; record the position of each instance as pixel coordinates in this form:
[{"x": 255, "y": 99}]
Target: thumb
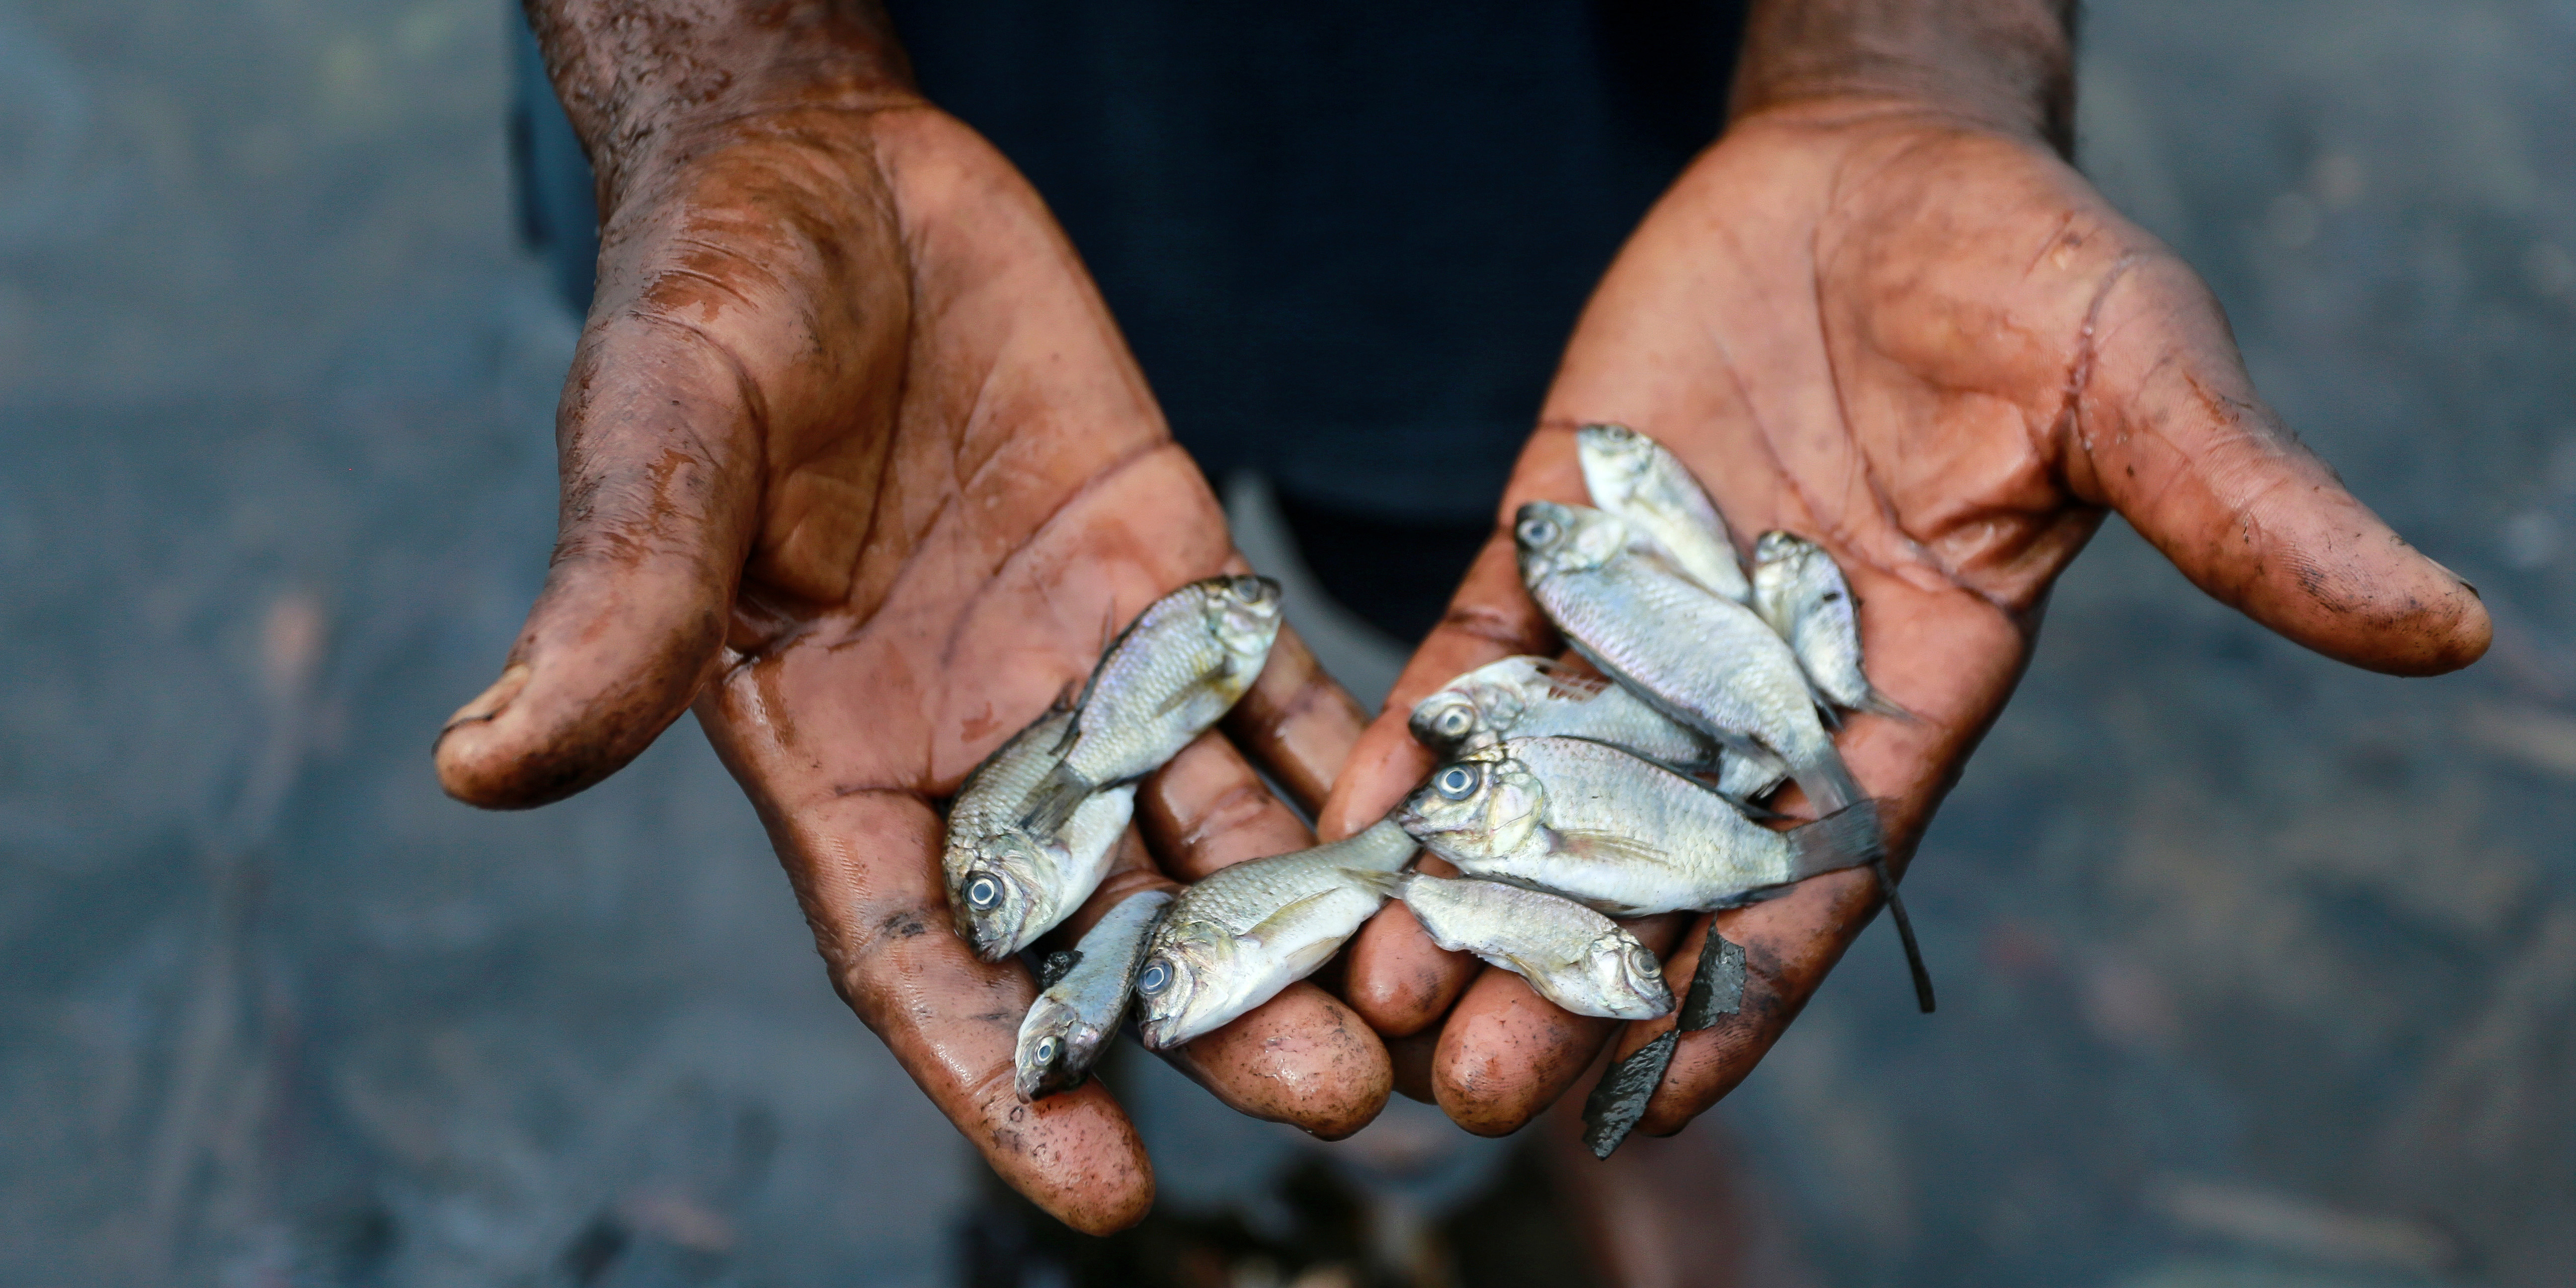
[
  {"x": 2168, "y": 431},
  {"x": 659, "y": 493}
]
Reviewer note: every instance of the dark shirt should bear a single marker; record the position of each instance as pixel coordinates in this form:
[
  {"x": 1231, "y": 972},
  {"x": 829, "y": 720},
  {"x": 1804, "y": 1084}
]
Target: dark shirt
[{"x": 1346, "y": 240}]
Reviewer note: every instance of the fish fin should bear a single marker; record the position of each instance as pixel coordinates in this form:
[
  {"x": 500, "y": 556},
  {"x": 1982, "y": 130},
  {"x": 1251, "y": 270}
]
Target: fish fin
[
  {"x": 1565, "y": 682},
  {"x": 1052, "y": 804},
  {"x": 1905, "y": 933},
  {"x": 1384, "y": 883},
  {"x": 1181, "y": 697},
  {"x": 1756, "y": 811},
  {"x": 1056, "y": 966},
  {"x": 1281, "y": 916},
  {"x": 1877, "y": 703},
  {"x": 1607, "y": 845},
  {"x": 1846, "y": 838},
  {"x": 1618, "y": 1101},
  {"x": 1828, "y": 783}
]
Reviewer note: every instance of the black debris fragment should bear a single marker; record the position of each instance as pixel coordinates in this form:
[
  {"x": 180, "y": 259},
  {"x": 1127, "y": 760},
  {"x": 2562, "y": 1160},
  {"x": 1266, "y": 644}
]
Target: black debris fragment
[
  {"x": 1717, "y": 987},
  {"x": 1619, "y": 1100},
  {"x": 1056, "y": 966}
]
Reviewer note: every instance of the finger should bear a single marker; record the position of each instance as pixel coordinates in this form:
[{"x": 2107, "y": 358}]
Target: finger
[
  {"x": 1297, "y": 723},
  {"x": 1506, "y": 1053},
  {"x": 1302, "y": 1058},
  {"x": 1398, "y": 980},
  {"x": 658, "y": 503},
  {"x": 1790, "y": 944},
  {"x": 1206, "y": 809},
  {"x": 865, "y": 871},
  {"x": 2168, "y": 431}
]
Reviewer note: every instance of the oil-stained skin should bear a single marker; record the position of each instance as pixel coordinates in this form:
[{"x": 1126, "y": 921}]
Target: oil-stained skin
[
  {"x": 1920, "y": 335},
  {"x": 854, "y": 457}
]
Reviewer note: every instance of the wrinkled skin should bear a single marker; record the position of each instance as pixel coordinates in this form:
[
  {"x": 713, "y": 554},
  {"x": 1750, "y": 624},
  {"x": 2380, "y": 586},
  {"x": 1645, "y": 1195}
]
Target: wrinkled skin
[
  {"x": 1925, "y": 342},
  {"x": 855, "y": 460}
]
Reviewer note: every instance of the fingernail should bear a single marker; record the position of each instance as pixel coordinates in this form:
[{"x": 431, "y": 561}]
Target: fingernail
[{"x": 489, "y": 702}]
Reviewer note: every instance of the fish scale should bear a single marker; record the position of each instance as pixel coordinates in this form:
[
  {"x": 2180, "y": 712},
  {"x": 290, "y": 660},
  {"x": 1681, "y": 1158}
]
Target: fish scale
[
  {"x": 1172, "y": 673},
  {"x": 1641, "y": 481},
  {"x": 1314, "y": 900},
  {"x": 1707, "y": 661},
  {"x": 1573, "y": 956},
  {"x": 1693, "y": 850}
]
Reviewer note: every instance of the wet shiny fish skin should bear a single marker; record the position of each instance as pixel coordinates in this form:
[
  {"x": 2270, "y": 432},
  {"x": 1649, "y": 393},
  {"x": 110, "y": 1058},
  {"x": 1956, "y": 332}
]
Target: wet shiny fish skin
[
  {"x": 1641, "y": 481},
  {"x": 1015, "y": 887},
  {"x": 1177, "y": 669},
  {"x": 1073, "y": 1019},
  {"x": 1527, "y": 697},
  {"x": 1575, "y": 957},
  {"x": 1701, "y": 659},
  {"x": 1618, "y": 833},
  {"x": 1530, "y": 697},
  {"x": 1234, "y": 940},
  {"x": 1028, "y": 882},
  {"x": 1800, "y": 590}
]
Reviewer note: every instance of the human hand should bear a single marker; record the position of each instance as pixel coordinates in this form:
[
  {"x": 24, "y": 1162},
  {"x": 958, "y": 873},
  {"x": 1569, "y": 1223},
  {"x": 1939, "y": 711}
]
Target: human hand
[
  {"x": 854, "y": 458},
  {"x": 1915, "y": 334}
]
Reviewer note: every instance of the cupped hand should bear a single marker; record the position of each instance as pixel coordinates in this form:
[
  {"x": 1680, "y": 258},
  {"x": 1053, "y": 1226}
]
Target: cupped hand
[
  {"x": 855, "y": 460},
  {"x": 1931, "y": 346}
]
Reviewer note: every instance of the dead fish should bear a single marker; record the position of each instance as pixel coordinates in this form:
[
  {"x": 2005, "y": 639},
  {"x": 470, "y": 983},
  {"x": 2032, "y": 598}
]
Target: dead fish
[
  {"x": 1638, "y": 479},
  {"x": 1007, "y": 885},
  {"x": 1573, "y": 956},
  {"x": 1175, "y": 670},
  {"x": 1527, "y": 697},
  {"x": 1617, "y": 832},
  {"x": 1071, "y": 1022},
  {"x": 1234, "y": 940},
  {"x": 1704, "y": 660},
  {"x": 1799, "y": 589}
]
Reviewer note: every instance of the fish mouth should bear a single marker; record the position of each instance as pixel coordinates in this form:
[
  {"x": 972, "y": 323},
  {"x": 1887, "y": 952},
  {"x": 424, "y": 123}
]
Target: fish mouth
[{"x": 1156, "y": 1033}]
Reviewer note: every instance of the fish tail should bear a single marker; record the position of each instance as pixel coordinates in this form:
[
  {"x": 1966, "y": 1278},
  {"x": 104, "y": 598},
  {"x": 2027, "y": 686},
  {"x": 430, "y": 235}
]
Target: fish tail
[
  {"x": 1054, "y": 801},
  {"x": 1877, "y": 703},
  {"x": 1827, "y": 783},
  {"x": 1846, "y": 838},
  {"x": 1905, "y": 933}
]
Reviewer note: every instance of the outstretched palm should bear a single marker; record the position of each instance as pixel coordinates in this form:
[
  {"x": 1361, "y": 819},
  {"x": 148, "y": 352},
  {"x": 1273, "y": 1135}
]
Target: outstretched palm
[
  {"x": 1936, "y": 350},
  {"x": 854, "y": 458}
]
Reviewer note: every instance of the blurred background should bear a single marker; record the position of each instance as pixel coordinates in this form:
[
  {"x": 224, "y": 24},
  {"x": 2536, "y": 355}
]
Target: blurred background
[{"x": 2256, "y": 972}]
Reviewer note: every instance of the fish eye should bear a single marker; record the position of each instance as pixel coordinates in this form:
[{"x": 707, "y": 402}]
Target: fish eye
[
  {"x": 982, "y": 893},
  {"x": 1642, "y": 959},
  {"x": 1046, "y": 1050},
  {"x": 1157, "y": 977},
  {"x": 1537, "y": 532},
  {"x": 1457, "y": 782},
  {"x": 1251, "y": 590},
  {"x": 1455, "y": 721}
]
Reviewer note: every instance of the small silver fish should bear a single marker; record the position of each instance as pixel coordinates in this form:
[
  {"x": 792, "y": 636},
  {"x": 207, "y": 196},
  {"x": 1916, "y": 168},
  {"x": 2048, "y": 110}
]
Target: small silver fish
[
  {"x": 1638, "y": 479},
  {"x": 1007, "y": 885},
  {"x": 1700, "y": 658},
  {"x": 1573, "y": 956},
  {"x": 1175, "y": 670},
  {"x": 1624, "y": 835},
  {"x": 1530, "y": 697},
  {"x": 1799, "y": 589},
  {"x": 1234, "y": 940},
  {"x": 1074, "y": 1017}
]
